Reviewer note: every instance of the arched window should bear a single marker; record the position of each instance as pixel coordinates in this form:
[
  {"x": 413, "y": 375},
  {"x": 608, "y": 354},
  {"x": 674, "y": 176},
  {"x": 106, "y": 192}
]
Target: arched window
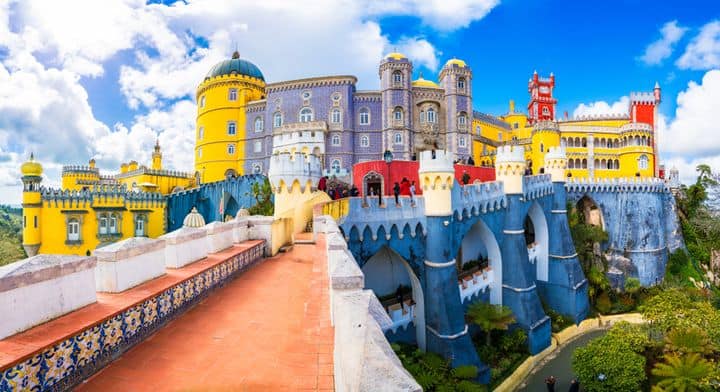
[
  {"x": 477, "y": 130},
  {"x": 584, "y": 142},
  {"x": 113, "y": 224},
  {"x": 364, "y": 116},
  {"x": 103, "y": 224},
  {"x": 335, "y": 166},
  {"x": 617, "y": 164},
  {"x": 643, "y": 162},
  {"x": 306, "y": 115},
  {"x": 277, "y": 120},
  {"x": 570, "y": 142},
  {"x": 571, "y": 163},
  {"x": 335, "y": 140},
  {"x": 431, "y": 118},
  {"x": 201, "y": 133},
  {"x": 398, "y": 138},
  {"x": 542, "y": 148},
  {"x": 397, "y": 78},
  {"x": 140, "y": 226},
  {"x": 231, "y": 149},
  {"x": 398, "y": 114},
  {"x": 335, "y": 116},
  {"x": 202, "y": 101},
  {"x": 461, "y": 83},
  {"x": 232, "y": 94},
  {"x": 199, "y": 152},
  {"x": 259, "y": 124},
  {"x": 545, "y": 111},
  {"x": 461, "y": 141},
  {"x": 73, "y": 230},
  {"x": 422, "y": 116},
  {"x": 257, "y": 168},
  {"x": 462, "y": 120},
  {"x": 364, "y": 141},
  {"x": 231, "y": 128},
  {"x": 584, "y": 163}
]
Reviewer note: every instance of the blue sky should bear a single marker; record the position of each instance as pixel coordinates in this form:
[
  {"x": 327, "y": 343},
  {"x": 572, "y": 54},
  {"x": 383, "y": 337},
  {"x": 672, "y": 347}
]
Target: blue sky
[{"x": 105, "y": 83}]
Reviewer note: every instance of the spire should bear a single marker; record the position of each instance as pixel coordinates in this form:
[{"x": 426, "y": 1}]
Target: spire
[
  {"x": 157, "y": 145},
  {"x": 32, "y": 156},
  {"x": 657, "y": 85},
  {"x": 421, "y": 76}
]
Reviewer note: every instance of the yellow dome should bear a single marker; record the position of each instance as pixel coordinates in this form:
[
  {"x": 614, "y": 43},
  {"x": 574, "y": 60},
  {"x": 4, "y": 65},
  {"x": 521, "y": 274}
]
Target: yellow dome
[
  {"x": 395, "y": 56},
  {"x": 420, "y": 82},
  {"x": 458, "y": 62},
  {"x": 31, "y": 168}
]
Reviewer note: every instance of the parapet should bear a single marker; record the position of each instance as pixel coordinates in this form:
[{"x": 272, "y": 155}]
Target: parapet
[
  {"x": 286, "y": 168},
  {"x": 101, "y": 195},
  {"x": 546, "y": 126},
  {"x": 632, "y": 184},
  {"x": 556, "y": 163},
  {"x": 642, "y": 98},
  {"x": 128, "y": 263},
  {"x": 635, "y": 126},
  {"x": 436, "y": 161},
  {"x": 507, "y": 154}
]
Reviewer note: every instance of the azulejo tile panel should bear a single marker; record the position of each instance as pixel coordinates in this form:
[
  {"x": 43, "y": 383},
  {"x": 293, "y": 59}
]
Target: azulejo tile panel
[{"x": 67, "y": 363}]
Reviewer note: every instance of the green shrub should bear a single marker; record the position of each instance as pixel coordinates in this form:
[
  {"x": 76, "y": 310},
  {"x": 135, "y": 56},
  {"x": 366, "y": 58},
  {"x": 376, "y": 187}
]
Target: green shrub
[
  {"x": 622, "y": 368},
  {"x": 603, "y": 303}
]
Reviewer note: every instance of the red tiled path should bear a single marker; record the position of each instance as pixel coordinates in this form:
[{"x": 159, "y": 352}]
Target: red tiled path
[{"x": 267, "y": 330}]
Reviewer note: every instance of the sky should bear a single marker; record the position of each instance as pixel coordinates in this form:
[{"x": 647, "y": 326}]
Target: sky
[{"x": 83, "y": 79}]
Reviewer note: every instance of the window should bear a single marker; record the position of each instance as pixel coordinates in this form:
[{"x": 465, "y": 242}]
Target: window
[
  {"x": 231, "y": 128},
  {"x": 35, "y": 219},
  {"x": 461, "y": 84},
  {"x": 422, "y": 116},
  {"x": 232, "y": 94},
  {"x": 431, "y": 115},
  {"x": 140, "y": 226},
  {"x": 545, "y": 111},
  {"x": 335, "y": 116},
  {"x": 397, "y": 78},
  {"x": 398, "y": 114},
  {"x": 306, "y": 94},
  {"x": 515, "y": 125},
  {"x": 24, "y": 221},
  {"x": 335, "y": 166},
  {"x": 113, "y": 225},
  {"x": 364, "y": 141},
  {"x": 336, "y": 97},
  {"x": 202, "y": 101},
  {"x": 257, "y": 168},
  {"x": 199, "y": 152},
  {"x": 201, "y": 133},
  {"x": 500, "y": 136},
  {"x": 103, "y": 225},
  {"x": 73, "y": 230},
  {"x": 231, "y": 149},
  {"x": 398, "y": 138},
  {"x": 461, "y": 141},
  {"x": 477, "y": 130},
  {"x": 542, "y": 148},
  {"x": 277, "y": 120},
  {"x": 462, "y": 119},
  {"x": 335, "y": 140},
  {"x": 257, "y": 146},
  {"x": 643, "y": 162},
  {"x": 306, "y": 115},
  {"x": 364, "y": 116},
  {"x": 259, "y": 124}
]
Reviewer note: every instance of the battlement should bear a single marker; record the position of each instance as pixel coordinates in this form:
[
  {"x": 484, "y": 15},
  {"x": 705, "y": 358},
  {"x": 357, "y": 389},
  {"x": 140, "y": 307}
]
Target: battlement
[
  {"x": 541, "y": 126},
  {"x": 100, "y": 195},
  {"x": 306, "y": 141},
  {"x": 286, "y": 168},
  {"x": 632, "y": 184},
  {"x": 642, "y": 98},
  {"x": 635, "y": 126},
  {"x": 601, "y": 116},
  {"x": 79, "y": 169},
  {"x": 437, "y": 161},
  {"x": 537, "y": 186},
  {"x": 510, "y": 154},
  {"x": 555, "y": 153},
  {"x": 480, "y": 198},
  {"x": 152, "y": 172}
]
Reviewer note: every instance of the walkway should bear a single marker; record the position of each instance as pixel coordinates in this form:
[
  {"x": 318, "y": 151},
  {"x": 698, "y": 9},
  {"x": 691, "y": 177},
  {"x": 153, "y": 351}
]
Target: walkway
[{"x": 268, "y": 330}]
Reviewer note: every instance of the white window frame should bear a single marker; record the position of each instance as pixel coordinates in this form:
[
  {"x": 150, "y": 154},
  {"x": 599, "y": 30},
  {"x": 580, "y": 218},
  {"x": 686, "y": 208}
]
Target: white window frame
[
  {"x": 232, "y": 94},
  {"x": 398, "y": 114},
  {"x": 462, "y": 119},
  {"x": 477, "y": 130},
  {"x": 73, "y": 229},
  {"x": 422, "y": 116},
  {"x": 461, "y": 83},
  {"x": 232, "y": 128},
  {"x": 643, "y": 162},
  {"x": 364, "y": 116},
  {"x": 202, "y": 101},
  {"x": 277, "y": 120},
  {"x": 103, "y": 225},
  {"x": 336, "y": 165},
  {"x": 257, "y": 146},
  {"x": 112, "y": 228},
  {"x": 545, "y": 111},
  {"x": 201, "y": 133},
  {"x": 431, "y": 116},
  {"x": 259, "y": 124},
  {"x": 398, "y": 138},
  {"x": 461, "y": 141},
  {"x": 199, "y": 152},
  {"x": 231, "y": 148},
  {"x": 364, "y": 141},
  {"x": 336, "y": 116},
  {"x": 139, "y": 226},
  {"x": 397, "y": 78},
  {"x": 500, "y": 136},
  {"x": 335, "y": 140},
  {"x": 305, "y": 115}
]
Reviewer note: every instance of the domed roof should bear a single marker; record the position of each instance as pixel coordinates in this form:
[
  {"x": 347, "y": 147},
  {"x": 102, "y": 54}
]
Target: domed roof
[
  {"x": 457, "y": 62},
  {"x": 194, "y": 219},
  {"x": 395, "y": 56},
  {"x": 31, "y": 168},
  {"x": 235, "y": 65},
  {"x": 420, "y": 82}
]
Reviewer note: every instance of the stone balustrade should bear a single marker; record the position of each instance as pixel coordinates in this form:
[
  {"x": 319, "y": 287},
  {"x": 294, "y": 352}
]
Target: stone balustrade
[
  {"x": 533, "y": 252},
  {"x": 219, "y": 235},
  {"x": 631, "y": 184},
  {"x": 128, "y": 263},
  {"x": 476, "y": 283},
  {"x": 184, "y": 246},
  {"x": 537, "y": 186}
]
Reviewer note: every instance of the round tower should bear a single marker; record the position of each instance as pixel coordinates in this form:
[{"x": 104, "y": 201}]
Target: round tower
[
  {"x": 32, "y": 205},
  {"x": 437, "y": 175},
  {"x": 510, "y": 168},
  {"x": 157, "y": 157},
  {"x": 556, "y": 163},
  {"x": 395, "y": 87},
  {"x": 221, "y": 122},
  {"x": 294, "y": 178},
  {"x": 545, "y": 134},
  {"x": 456, "y": 81}
]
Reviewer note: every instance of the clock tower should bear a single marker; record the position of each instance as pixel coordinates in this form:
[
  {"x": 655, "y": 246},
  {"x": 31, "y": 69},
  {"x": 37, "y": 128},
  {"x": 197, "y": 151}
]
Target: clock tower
[{"x": 542, "y": 103}]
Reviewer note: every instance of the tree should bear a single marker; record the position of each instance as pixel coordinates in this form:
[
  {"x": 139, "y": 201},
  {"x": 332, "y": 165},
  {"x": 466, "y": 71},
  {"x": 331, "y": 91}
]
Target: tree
[
  {"x": 688, "y": 341},
  {"x": 682, "y": 373},
  {"x": 609, "y": 364},
  {"x": 262, "y": 193},
  {"x": 490, "y": 317}
]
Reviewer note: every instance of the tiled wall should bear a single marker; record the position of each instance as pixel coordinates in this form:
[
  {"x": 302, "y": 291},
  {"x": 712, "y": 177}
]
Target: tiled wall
[{"x": 67, "y": 363}]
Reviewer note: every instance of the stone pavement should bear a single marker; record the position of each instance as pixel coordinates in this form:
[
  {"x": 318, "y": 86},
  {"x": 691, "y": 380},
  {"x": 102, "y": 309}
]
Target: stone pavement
[{"x": 268, "y": 330}]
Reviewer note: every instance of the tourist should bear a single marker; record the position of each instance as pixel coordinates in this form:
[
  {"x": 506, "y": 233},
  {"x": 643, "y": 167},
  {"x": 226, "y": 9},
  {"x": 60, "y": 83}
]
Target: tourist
[
  {"x": 331, "y": 193},
  {"x": 412, "y": 192},
  {"x": 405, "y": 187},
  {"x": 465, "y": 177},
  {"x": 574, "y": 386},
  {"x": 396, "y": 192},
  {"x": 338, "y": 191},
  {"x": 471, "y": 161},
  {"x": 399, "y": 296},
  {"x": 550, "y": 383},
  {"x": 354, "y": 191},
  {"x": 322, "y": 184},
  {"x": 380, "y": 195}
]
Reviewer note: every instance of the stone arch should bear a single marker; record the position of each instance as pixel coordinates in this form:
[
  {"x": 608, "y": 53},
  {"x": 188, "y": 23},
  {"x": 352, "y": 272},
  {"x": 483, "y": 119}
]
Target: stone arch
[
  {"x": 373, "y": 180},
  {"x": 230, "y": 173},
  {"x": 384, "y": 271},
  {"x": 480, "y": 241},
  {"x": 540, "y": 250}
]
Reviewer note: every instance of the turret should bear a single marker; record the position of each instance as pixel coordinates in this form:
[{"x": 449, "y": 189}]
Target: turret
[
  {"x": 545, "y": 134},
  {"x": 542, "y": 103},
  {"x": 157, "y": 156},
  {"x": 294, "y": 178},
  {"x": 132, "y": 166},
  {"x": 510, "y": 168},
  {"x": 556, "y": 163},
  {"x": 32, "y": 205},
  {"x": 437, "y": 175},
  {"x": 656, "y": 93},
  {"x": 395, "y": 87},
  {"x": 456, "y": 81}
]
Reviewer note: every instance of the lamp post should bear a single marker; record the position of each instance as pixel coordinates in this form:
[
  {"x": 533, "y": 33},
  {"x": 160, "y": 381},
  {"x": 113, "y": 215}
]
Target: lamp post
[{"x": 388, "y": 157}]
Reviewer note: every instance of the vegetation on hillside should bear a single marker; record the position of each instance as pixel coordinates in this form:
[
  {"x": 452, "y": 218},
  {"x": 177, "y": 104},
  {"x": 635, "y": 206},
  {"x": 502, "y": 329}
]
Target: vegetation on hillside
[
  {"x": 10, "y": 235},
  {"x": 262, "y": 193}
]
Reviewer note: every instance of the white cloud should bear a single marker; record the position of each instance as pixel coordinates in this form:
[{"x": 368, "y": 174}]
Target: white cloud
[
  {"x": 661, "y": 49},
  {"x": 703, "y": 52},
  {"x": 603, "y": 108},
  {"x": 444, "y": 15}
]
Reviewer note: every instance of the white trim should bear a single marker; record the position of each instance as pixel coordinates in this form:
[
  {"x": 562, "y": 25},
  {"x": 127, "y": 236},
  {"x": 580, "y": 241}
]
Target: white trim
[
  {"x": 440, "y": 265},
  {"x": 564, "y": 257},
  {"x": 522, "y": 231},
  {"x": 519, "y": 290},
  {"x": 559, "y": 211},
  {"x": 453, "y": 336}
]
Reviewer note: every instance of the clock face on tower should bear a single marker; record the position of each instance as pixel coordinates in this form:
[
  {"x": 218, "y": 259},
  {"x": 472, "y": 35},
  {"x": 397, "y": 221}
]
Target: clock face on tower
[{"x": 544, "y": 90}]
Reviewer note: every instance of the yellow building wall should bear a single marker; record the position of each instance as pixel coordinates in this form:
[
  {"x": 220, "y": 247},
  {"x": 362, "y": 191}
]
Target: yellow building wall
[
  {"x": 541, "y": 142},
  {"x": 211, "y": 151},
  {"x": 70, "y": 180},
  {"x": 165, "y": 183},
  {"x": 31, "y": 209}
]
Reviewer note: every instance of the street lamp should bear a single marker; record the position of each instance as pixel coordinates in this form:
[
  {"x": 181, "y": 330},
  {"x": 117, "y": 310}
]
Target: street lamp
[{"x": 388, "y": 157}]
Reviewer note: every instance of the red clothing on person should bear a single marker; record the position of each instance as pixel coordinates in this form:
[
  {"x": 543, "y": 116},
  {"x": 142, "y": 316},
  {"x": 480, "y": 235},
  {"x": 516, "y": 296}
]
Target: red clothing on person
[
  {"x": 322, "y": 184},
  {"x": 405, "y": 188}
]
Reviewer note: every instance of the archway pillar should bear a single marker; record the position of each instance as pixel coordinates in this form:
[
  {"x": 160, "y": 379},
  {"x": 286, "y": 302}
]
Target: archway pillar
[
  {"x": 519, "y": 288},
  {"x": 566, "y": 288}
]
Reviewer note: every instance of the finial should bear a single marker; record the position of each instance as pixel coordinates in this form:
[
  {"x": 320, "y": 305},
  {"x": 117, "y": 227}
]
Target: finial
[
  {"x": 32, "y": 156},
  {"x": 657, "y": 85},
  {"x": 236, "y": 55},
  {"x": 421, "y": 75},
  {"x": 535, "y": 72}
]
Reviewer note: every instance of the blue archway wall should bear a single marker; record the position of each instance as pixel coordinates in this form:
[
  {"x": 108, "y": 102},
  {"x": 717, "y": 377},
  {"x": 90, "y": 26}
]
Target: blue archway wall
[{"x": 235, "y": 193}]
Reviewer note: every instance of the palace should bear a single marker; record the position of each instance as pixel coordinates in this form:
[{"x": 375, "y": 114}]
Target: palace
[{"x": 242, "y": 122}]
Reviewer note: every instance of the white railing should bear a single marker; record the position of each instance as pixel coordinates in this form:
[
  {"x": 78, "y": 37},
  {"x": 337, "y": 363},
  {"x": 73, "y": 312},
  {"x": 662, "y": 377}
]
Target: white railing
[
  {"x": 401, "y": 315},
  {"x": 533, "y": 252},
  {"x": 473, "y": 284}
]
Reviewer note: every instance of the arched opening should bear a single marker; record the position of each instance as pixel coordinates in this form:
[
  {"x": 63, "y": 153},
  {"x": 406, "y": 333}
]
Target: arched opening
[
  {"x": 372, "y": 184},
  {"x": 480, "y": 264},
  {"x": 591, "y": 212},
  {"x": 387, "y": 271},
  {"x": 537, "y": 240},
  {"x": 230, "y": 173},
  {"x": 231, "y": 208}
]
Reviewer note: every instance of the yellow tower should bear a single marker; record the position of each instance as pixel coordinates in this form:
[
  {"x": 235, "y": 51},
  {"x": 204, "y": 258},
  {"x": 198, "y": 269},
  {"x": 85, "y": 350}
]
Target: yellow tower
[
  {"x": 510, "y": 168},
  {"x": 157, "y": 157},
  {"x": 32, "y": 204},
  {"x": 221, "y": 122},
  {"x": 545, "y": 134},
  {"x": 556, "y": 163},
  {"x": 437, "y": 175}
]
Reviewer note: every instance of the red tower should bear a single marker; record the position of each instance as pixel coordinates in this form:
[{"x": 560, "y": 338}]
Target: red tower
[{"x": 542, "y": 103}]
